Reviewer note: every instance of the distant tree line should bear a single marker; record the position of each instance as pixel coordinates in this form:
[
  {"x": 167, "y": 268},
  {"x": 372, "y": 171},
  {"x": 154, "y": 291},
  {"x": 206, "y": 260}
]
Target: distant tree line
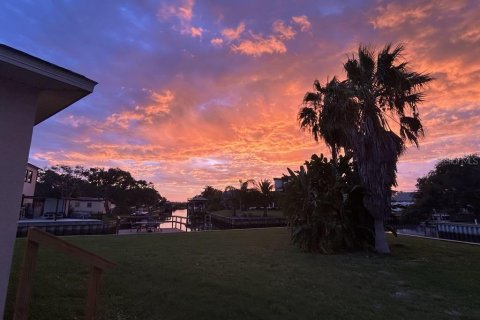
[
  {"x": 249, "y": 194},
  {"x": 113, "y": 184}
]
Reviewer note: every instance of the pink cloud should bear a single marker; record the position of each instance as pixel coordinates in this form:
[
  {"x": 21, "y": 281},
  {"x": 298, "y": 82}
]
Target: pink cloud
[
  {"x": 284, "y": 31},
  {"x": 302, "y": 22},
  {"x": 216, "y": 41},
  {"x": 260, "y": 45}
]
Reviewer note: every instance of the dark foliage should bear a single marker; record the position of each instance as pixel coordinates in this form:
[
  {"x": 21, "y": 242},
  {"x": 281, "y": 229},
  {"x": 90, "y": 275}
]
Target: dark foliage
[
  {"x": 323, "y": 204},
  {"x": 362, "y": 114},
  {"x": 453, "y": 187},
  {"x": 214, "y": 197}
]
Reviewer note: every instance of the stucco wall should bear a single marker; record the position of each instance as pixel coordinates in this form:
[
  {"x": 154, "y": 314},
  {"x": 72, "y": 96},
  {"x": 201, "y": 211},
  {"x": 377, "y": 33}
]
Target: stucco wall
[{"x": 18, "y": 104}]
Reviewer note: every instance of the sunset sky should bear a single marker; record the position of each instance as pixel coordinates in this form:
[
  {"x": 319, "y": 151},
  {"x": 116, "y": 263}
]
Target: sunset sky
[{"x": 194, "y": 93}]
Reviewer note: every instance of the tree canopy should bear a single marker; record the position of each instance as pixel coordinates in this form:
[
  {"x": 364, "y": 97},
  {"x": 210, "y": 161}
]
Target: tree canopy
[
  {"x": 452, "y": 187},
  {"x": 113, "y": 184}
]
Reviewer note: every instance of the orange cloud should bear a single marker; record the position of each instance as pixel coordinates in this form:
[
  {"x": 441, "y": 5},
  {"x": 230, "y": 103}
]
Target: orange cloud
[
  {"x": 260, "y": 45},
  {"x": 159, "y": 108},
  {"x": 393, "y": 15},
  {"x": 233, "y": 34},
  {"x": 196, "y": 32},
  {"x": 184, "y": 13}
]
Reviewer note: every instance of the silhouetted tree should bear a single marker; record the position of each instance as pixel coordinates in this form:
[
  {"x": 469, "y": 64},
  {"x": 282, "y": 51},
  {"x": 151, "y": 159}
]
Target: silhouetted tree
[
  {"x": 231, "y": 196},
  {"x": 453, "y": 186},
  {"x": 265, "y": 187},
  {"x": 357, "y": 115},
  {"x": 214, "y": 197}
]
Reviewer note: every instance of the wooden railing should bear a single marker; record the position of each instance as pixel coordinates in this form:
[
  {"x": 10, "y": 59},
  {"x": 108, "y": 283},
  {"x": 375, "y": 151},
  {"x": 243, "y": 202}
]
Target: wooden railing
[
  {"x": 199, "y": 224},
  {"x": 178, "y": 220},
  {"x": 37, "y": 237}
]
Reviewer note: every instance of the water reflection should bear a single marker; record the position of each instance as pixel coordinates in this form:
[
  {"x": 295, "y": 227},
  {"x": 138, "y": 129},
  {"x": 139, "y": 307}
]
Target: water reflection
[{"x": 168, "y": 223}]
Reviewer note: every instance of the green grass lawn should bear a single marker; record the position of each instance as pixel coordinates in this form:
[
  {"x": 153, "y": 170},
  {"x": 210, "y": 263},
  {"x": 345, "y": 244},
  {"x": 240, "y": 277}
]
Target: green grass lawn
[
  {"x": 250, "y": 213},
  {"x": 257, "y": 274}
]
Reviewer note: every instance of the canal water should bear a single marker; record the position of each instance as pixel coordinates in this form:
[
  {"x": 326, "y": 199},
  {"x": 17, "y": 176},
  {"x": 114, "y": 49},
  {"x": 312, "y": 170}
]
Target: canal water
[{"x": 168, "y": 223}]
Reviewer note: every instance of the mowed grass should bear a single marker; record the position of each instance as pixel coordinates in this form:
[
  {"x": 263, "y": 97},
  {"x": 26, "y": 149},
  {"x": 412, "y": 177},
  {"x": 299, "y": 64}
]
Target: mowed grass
[
  {"x": 257, "y": 274},
  {"x": 250, "y": 213}
]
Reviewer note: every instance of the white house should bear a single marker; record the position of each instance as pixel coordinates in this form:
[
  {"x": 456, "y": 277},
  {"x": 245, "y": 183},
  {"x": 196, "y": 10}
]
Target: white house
[
  {"x": 31, "y": 91},
  {"x": 30, "y": 180},
  {"x": 82, "y": 206}
]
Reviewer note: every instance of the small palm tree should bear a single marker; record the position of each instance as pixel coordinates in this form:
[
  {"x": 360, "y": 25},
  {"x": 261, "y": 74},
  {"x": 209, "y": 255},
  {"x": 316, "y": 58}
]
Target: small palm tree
[
  {"x": 265, "y": 187},
  {"x": 244, "y": 190}
]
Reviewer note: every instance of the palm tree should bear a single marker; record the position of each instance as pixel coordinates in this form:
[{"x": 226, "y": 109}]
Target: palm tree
[
  {"x": 265, "y": 187},
  {"x": 327, "y": 112},
  {"x": 243, "y": 190},
  {"x": 381, "y": 96},
  {"x": 231, "y": 194}
]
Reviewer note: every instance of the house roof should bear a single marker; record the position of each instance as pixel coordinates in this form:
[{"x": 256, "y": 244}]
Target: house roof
[
  {"x": 58, "y": 87},
  {"x": 32, "y": 165},
  {"x": 198, "y": 199},
  {"x": 86, "y": 199},
  {"x": 403, "y": 197}
]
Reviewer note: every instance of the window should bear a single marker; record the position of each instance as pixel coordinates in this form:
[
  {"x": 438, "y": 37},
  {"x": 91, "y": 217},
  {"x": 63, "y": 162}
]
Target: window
[
  {"x": 28, "y": 176},
  {"x": 77, "y": 204},
  {"x": 89, "y": 204}
]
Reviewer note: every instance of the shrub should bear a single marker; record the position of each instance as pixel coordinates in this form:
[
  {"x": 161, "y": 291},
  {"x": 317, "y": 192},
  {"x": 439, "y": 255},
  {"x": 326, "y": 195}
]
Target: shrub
[{"x": 323, "y": 204}]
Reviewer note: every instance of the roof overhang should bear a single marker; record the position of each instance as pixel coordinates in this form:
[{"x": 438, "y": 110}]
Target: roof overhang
[{"x": 58, "y": 87}]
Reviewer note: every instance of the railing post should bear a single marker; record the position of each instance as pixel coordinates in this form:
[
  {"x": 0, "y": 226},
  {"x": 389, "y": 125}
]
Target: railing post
[
  {"x": 24, "y": 290},
  {"x": 92, "y": 292}
]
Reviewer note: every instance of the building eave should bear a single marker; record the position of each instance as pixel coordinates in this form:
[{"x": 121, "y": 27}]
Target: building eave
[{"x": 58, "y": 87}]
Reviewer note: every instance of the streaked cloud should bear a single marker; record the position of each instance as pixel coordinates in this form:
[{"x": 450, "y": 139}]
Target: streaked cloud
[
  {"x": 394, "y": 14},
  {"x": 196, "y": 93}
]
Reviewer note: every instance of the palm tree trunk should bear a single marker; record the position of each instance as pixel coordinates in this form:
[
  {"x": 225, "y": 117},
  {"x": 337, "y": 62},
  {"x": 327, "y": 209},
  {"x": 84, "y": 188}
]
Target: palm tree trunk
[
  {"x": 381, "y": 244},
  {"x": 334, "y": 153}
]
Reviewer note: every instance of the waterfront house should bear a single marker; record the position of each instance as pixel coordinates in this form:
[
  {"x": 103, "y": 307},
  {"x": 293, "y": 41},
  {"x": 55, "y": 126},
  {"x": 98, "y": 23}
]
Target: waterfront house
[{"x": 30, "y": 181}]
